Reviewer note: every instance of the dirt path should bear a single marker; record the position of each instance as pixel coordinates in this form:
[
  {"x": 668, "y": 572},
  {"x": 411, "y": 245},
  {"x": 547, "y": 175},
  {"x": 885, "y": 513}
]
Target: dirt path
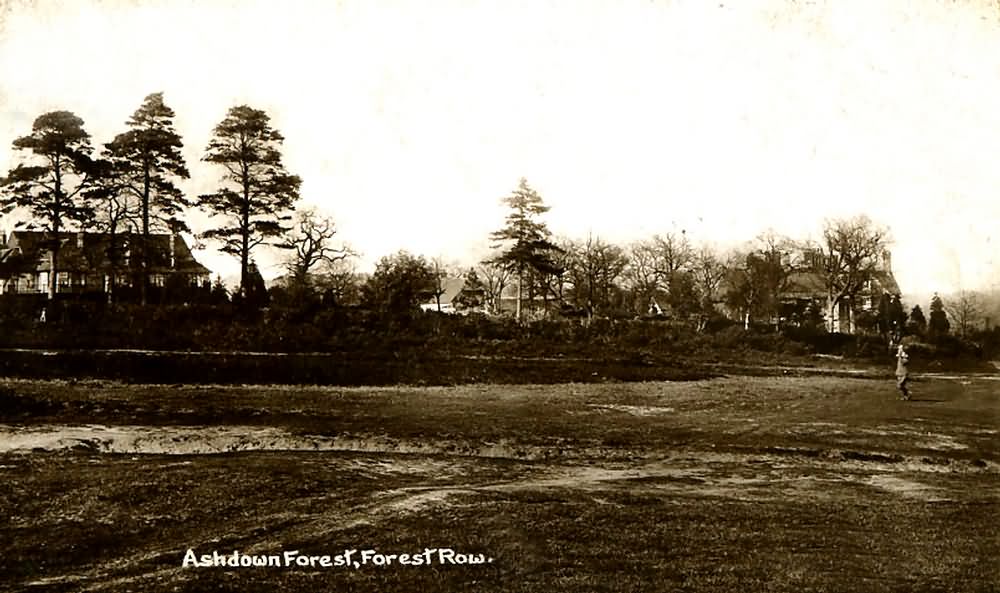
[
  {"x": 210, "y": 440},
  {"x": 692, "y": 475}
]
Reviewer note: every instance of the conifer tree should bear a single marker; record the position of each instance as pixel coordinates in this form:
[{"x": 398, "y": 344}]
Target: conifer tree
[
  {"x": 52, "y": 184},
  {"x": 525, "y": 241},
  {"x": 253, "y": 204}
]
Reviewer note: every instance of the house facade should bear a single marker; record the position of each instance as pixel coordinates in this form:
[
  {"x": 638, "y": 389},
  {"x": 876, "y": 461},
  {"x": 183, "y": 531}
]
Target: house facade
[
  {"x": 805, "y": 289},
  {"x": 94, "y": 262}
]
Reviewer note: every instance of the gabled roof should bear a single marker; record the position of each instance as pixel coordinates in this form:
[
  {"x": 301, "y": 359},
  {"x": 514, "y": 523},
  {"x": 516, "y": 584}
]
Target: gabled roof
[
  {"x": 805, "y": 284},
  {"x": 97, "y": 248},
  {"x": 451, "y": 288},
  {"x": 887, "y": 282}
]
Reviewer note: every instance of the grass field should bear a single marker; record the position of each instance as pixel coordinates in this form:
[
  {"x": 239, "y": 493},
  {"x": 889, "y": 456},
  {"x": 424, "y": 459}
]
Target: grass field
[{"x": 730, "y": 484}]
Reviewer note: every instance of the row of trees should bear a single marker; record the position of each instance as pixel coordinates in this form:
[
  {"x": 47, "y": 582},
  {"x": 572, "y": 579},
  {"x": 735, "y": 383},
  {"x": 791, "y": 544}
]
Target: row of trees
[
  {"x": 668, "y": 271},
  {"x": 130, "y": 187},
  {"x": 593, "y": 277}
]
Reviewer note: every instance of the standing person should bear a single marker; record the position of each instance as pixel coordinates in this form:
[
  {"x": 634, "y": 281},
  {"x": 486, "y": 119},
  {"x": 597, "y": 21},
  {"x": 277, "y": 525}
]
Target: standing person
[{"x": 902, "y": 373}]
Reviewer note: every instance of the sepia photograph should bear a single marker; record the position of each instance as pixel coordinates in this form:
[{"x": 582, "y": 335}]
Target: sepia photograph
[{"x": 499, "y": 295}]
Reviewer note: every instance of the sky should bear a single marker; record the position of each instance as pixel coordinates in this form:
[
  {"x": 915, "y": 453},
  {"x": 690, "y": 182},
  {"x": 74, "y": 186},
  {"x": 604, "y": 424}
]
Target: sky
[{"x": 408, "y": 121}]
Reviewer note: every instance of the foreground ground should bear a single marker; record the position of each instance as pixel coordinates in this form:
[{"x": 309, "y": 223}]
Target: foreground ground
[{"x": 730, "y": 484}]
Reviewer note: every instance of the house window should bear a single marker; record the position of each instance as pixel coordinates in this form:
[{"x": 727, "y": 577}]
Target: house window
[
  {"x": 64, "y": 279},
  {"x": 156, "y": 279},
  {"x": 43, "y": 281}
]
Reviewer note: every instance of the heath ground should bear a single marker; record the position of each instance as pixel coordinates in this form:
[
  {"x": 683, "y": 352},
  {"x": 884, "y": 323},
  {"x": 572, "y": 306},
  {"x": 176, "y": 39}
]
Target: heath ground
[{"x": 733, "y": 483}]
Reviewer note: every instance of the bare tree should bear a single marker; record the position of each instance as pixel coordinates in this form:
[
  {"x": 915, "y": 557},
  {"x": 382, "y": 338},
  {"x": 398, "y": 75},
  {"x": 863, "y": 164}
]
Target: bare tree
[
  {"x": 709, "y": 270},
  {"x": 775, "y": 265},
  {"x": 310, "y": 245},
  {"x": 640, "y": 273},
  {"x": 674, "y": 254},
  {"x": 442, "y": 271},
  {"x": 967, "y": 311},
  {"x": 852, "y": 249},
  {"x": 746, "y": 288},
  {"x": 339, "y": 280},
  {"x": 593, "y": 267},
  {"x": 494, "y": 277}
]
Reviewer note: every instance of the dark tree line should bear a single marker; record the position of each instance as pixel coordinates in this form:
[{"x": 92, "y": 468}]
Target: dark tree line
[{"x": 131, "y": 187}]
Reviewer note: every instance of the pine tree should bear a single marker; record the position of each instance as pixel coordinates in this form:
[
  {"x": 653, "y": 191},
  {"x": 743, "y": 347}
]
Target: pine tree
[
  {"x": 257, "y": 193},
  {"x": 525, "y": 242},
  {"x": 146, "y": 160},
  {"x": 53, "y": 187}
]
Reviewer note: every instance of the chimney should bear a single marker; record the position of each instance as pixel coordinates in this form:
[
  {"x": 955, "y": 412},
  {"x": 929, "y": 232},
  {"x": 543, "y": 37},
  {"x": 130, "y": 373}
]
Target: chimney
[
  {"x": 173, "y": 250},
  {"x": 79, "y": 240}
]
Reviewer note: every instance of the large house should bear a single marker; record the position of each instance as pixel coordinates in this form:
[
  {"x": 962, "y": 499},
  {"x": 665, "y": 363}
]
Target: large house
[
  {"x": 91, "y": 262},
  {"x": 806, "y": 287}
]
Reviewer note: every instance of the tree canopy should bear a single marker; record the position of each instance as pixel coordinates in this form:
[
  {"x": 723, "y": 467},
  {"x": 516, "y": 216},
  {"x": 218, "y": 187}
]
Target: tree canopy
[
  {"x": 525, "y": 241},
  {"x": 257, "y": 193},
  {"x": 145, "y": 163},
  {"x": 400, "y": 282},
  {"x": 852, "y": 252},
  {"x": 52, "y": 185}
]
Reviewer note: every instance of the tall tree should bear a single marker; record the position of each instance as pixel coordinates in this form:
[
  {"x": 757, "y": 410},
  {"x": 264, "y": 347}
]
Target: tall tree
[
  {"x": 852, "y": 252},
  {"x": 147, "y": 162},
  {"x": 257, "y": 193},
  {"x": 52, "y": 184},
  {"x": 525, "y": 241}
]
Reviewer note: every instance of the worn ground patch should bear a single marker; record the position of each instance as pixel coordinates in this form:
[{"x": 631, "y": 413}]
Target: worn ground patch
[{"x": 794, "y": 484}]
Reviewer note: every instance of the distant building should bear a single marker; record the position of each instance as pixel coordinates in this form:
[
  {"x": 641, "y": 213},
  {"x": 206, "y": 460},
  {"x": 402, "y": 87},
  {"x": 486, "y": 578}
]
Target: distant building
[
  {"x": 456, "y": 297},
  {"x": 806, "y": 287},
  {"x": 91, "y": 262}
]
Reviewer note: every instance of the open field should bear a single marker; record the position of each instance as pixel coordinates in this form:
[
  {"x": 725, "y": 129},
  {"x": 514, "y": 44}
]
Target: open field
[{"x": 798, "y": 483}]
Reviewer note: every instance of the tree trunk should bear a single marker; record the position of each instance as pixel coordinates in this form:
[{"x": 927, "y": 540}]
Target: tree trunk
[
  {"x": 144, "y": 254},
  {"x": 56, "y": 219},
  {"x": 53, "y": 259},
  {"x": 245, "y": 247},
  {"x": 517, "y": 307}
]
